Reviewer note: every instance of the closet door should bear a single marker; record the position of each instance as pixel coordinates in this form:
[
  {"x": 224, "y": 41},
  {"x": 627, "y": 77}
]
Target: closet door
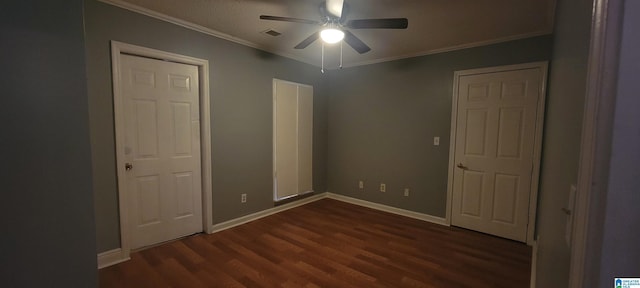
[
  {"x": 305, "y": 138},
  {"x": 293, "y": 137}
]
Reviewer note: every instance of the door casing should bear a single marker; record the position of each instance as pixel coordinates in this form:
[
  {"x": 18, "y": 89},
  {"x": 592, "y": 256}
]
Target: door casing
[
  {"x": 118, "y": 48},
  {"x": 537, "y": 149}
]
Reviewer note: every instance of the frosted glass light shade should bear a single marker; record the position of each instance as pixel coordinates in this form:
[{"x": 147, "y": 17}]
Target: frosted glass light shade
[{"x": 331, "y": 35}]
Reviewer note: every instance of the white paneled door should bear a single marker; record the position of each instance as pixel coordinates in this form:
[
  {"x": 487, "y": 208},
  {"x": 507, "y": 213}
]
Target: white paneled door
[
  {"x": 495, "y": 137},
  {"x": 162, "y": 149}
]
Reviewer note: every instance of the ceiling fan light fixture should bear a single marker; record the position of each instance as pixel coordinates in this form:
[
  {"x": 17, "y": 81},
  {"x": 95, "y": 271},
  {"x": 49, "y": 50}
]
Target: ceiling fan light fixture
[{"x": 331, "y": 35}]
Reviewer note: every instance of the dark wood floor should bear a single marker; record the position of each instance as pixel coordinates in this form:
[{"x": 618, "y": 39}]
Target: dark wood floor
[{"x": 329, "y": 243}]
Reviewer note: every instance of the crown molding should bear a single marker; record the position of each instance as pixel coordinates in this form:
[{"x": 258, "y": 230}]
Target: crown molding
[{"x": 208, "y": 31}]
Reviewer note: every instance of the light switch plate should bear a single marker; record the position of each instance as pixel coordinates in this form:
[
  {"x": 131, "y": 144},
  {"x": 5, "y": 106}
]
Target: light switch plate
[{"x": 436, "y": 141}]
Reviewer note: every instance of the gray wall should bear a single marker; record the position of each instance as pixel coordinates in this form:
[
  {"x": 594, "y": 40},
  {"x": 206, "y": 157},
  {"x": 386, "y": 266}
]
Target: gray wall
[
  {"x": 48, "y": 230},
  {"x": 383, "y": 117},
  {"x": 241, "y": 109},
  {"x": 561, "y": 146},
  {"x": 620, "y": 253}
]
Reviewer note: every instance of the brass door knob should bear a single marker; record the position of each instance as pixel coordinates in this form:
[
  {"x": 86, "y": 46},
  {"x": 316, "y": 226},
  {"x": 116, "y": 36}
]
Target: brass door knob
[
  {"x": 128, "y": 166},
  {"x": 461, "y": 166}
]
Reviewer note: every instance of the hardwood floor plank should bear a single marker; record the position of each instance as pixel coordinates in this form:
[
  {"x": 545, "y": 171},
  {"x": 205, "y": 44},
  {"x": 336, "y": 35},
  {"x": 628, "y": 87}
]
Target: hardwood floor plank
[
  {"x": 328, "y": 243},
  {"x": 177, "y": 275}
]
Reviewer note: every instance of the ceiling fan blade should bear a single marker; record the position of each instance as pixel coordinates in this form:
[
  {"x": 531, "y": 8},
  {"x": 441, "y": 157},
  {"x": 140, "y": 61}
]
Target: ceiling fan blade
[
  {"x": 334, "y": 7},
  {"x": 308, "y": 41},
  {"x": 388, "y": 23},
  {"x": 289, "y": 19},
  {"x": 355, "y": 43}
]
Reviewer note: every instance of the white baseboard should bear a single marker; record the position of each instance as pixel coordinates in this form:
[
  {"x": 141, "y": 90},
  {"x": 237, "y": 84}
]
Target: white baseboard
[
  {"x": 385, "y": 208},
  {"x": 117, "y": 255},
  {"x": 264, "y": 213},
  {"x": 111, "y": 257}
]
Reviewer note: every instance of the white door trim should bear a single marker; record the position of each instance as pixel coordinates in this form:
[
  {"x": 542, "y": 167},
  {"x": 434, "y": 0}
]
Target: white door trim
[
  {"x": 118, "y": 48},
  {"x": 602, "y": 77},
  {"x": 537, "y": 148}
]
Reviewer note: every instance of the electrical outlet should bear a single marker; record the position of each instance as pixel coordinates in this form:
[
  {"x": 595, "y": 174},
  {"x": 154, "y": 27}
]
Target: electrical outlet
[
  {"x": 361, "y": 185},
  {"x": 243, "y": 198},
  {"x": 406, "y": 192},
  {"x": 383, "y": 187}
]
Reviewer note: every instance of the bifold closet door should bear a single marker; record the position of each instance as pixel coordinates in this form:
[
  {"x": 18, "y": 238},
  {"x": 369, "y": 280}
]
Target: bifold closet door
[{"x": 293, "y": 136}]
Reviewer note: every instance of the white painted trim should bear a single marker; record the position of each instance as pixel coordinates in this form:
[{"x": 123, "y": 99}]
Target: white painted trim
[
  {"x": 111, "y": 257},
  {"x": 117, "y": 48},
  {"x": 177, "y": 21},
  {"x": 264, "y": 213},
  {"x": 385, "y": 208},
  {"x": 118, "y": 255},
  {"x": 452, "y": 146},
  {"x": 197, "y": 28},
  {"x": 537, "y": 148},
  {"x": 537, "y": 154},
  {"x": 120, "y": 138},
  {"x": 595, "y": 140},
  {"x": 445, "y": 49},
  {"x": 218, "y": 34},
  {"x": 205, "y": 146},
  {"x": 380, "y": 207}
]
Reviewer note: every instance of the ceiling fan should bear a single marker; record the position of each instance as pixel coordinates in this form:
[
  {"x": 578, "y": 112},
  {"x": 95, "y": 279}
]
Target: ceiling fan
[{"x": 335, "y": 24}]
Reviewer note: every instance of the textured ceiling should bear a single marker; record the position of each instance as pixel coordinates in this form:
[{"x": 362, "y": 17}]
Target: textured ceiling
[{"x": 434, "y": 25}]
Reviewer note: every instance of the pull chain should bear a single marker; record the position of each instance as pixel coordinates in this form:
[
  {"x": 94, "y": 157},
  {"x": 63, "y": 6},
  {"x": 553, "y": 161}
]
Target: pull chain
[
  {"x": 341, "y": 54},
  {"x": 322, "y": 67}
]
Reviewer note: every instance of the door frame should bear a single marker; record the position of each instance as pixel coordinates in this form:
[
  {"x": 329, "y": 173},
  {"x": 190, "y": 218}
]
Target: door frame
[
  {"x": 118, "y": 48},
  {"x": 537, "y": 148}
]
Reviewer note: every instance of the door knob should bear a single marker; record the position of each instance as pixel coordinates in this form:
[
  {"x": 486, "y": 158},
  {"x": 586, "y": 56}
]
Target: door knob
[
  {"x": 128, "y": 166},
  {"x": 461, "y": 166}
]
